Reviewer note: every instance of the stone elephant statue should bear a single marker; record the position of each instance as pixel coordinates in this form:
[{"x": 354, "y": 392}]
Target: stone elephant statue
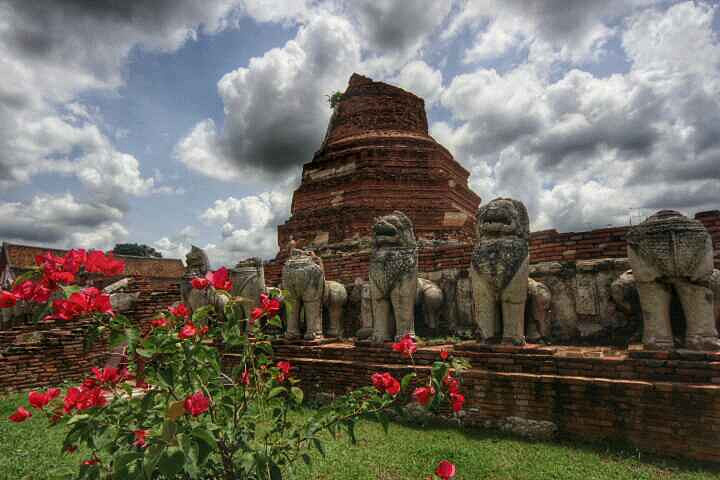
[
  {"x": 669, "y": 253},
  {"x": 304, "y": 280}
]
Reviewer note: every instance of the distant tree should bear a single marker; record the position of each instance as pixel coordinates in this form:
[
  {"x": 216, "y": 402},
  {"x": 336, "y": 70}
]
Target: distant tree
[{"x": 136, "y": 250}]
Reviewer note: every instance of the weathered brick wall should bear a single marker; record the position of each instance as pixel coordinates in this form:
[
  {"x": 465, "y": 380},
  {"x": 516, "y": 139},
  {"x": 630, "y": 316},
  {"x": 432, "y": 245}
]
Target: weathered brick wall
[
  {"x": 657, "y": 401},
  {"x": 48, "y": 353},
  {"x": 547, "y": 245}
]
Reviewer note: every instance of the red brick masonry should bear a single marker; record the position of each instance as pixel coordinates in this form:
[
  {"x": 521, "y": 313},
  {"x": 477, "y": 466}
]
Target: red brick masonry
[
  {"x": 545, "y": 246},
  {"x": 668, "y": 403}
]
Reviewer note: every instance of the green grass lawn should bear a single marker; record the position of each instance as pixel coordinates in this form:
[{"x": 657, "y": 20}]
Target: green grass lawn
[{"x": 29, "y": 450}]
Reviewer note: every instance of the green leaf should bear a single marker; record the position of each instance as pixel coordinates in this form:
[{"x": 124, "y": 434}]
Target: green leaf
[
  {"x": 167, "y": 375},
  {"x": 151, "y": 459},
  {"x": 202, "y": 313},
  {"x": 306, "y": 458},
  {"x": 277, "y": 391},
  {"x": 319, "y": 446},
  {"x": 275, "y": 321},
  {"x": 406, "y": 380},
  {"x": 69, "y": 289},
  {"x": 172, "y": 462},
  {"x": 297, "y": 395},
  {"x": 206, "y": 437},
  {"x": 144, "y": 352}
]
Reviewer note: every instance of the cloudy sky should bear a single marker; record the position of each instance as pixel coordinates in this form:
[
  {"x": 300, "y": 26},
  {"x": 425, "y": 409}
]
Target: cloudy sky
[{"x": 176, "y": 121}]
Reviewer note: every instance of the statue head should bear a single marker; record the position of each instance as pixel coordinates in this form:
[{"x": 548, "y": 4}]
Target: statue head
[
  {"x": 393, "y": 230},
  {"x": 503, "y": 217},
  {"x": 196, "y": 260}
]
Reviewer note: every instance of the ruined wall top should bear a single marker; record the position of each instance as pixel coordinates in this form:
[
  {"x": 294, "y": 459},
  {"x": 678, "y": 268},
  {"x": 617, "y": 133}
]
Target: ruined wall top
[{"x": 368, "y": 108}]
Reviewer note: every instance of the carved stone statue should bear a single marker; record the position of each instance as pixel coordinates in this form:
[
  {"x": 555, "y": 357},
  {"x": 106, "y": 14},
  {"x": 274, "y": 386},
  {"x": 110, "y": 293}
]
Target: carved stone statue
[
  {"x": 304, "y": 279},
  {"x": 197, "y": 265},
  {"x": 499, "y": 270},
  {"x": 334, "y": 299},
  {"x": 538, "y": 311},
  {"x": 248, "y": 280},
  {"x": 431, "y": 298},
  {"x": 196, "y": 262},
  {"x": 667, "y": 252},
  {"x": 393, "y": 277}
]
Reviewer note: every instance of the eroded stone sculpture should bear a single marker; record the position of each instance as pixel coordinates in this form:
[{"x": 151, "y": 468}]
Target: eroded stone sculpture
[
  {"x": 197, "y": 265},
  {"x": 304, "y": 279},
  {"x": 334, "y": 299},
  {"x": 248, "y": 282},
  {"x": 499, "y": 270},
  {"x": 539, "y": 300},
  {"x": 430, "y": 298},
  {"x": 667, "y": 252},
  {"x": 393, "y": 277}
]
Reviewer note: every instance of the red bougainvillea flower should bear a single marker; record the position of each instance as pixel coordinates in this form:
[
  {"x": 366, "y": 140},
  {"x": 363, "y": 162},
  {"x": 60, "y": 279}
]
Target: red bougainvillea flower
[
  {"x": 106, "y": 264},
  {"x": 87, "y": 301},
  {"x": 40, "y": 399},
  {"x": 196, "y": 404},
  {"x": 7, "y": 299},
  {"x": 452, "y": 384},
  {"x": 204, "y": 330},
  {"x": 187, "y": 331},
  {"x": 200, "y": 283},
  {"x": 423, "y": 395},
  {"x": 406, "y": 346},
  {"x": 32, "y": 292},
  {"x": 92, "y": 461},
  {"x": 160, "y": 322},
  {"x": 140, "y": 438},
  {"x": 271, "y": 306},
  {"x": 445, "y": 470},
  {"x": 246, "y": 377},
  {"x": 457, "y": 400},
  {"x": 84, "y": 397},
  {"x": 220, "y": 279},
  {"x": 20, "y": 415},
  {"x": 179, "y": 311},
  {"x": 70, "y": 449},
  {"x": 444, "y": 354},
  {"x": 386, "y": 383},
  {"x": 256, "y": 313},
  {"x": 284, "y": 374},
  {"x": 109, "y": 375}
]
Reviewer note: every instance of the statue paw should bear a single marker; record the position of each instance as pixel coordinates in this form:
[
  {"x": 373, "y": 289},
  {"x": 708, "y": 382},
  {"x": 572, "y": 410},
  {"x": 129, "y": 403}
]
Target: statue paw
[
  {"x": 659, "y": 344},
  {"x": 702, "y": 343},
  {"x": 292, "y": 335},
  {"x": 364, "y": 333}
]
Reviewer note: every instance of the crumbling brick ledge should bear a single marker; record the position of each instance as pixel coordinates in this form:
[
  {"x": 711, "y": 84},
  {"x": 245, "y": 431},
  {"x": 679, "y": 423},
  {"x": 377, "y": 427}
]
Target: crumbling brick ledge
[{"x": 668, "y": 417}]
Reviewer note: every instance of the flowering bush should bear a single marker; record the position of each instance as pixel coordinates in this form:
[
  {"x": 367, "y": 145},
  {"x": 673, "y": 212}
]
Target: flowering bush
[{"x": 188, "y": 417}]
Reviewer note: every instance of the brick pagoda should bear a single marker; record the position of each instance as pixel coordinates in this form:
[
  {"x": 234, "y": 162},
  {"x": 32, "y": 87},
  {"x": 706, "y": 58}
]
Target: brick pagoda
[{"x": 377, "y": 157}]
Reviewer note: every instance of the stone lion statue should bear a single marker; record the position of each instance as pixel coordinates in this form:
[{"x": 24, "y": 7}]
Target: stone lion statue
[
  {"x": 670, "y": 252},
  {"x": 304, "y": 279},
  {"x": 393, "y": 277},
  {"x": 499, "y": 270}
]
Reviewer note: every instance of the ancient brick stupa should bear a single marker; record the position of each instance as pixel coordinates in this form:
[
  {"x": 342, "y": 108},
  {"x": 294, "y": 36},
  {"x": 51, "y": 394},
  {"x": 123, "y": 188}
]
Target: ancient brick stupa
[{"x": 377, "y": 157}]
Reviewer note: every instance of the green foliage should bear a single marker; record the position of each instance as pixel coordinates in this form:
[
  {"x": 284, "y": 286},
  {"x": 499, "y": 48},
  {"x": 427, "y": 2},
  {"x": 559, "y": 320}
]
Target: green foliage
[
  {"x": 335, "y": 98},
  {"x": 245, "y": 429}
]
